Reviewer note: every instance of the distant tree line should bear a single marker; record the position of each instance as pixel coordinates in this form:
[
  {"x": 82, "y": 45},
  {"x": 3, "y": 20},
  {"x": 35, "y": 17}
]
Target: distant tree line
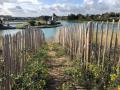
[
  {"x": 88, "y": 17},
  {"x": 96, "y": 17},
  {"x": 44, "y": 18}
]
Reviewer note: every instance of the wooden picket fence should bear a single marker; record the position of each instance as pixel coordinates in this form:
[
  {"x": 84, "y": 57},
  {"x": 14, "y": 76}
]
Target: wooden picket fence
[
  {"x": 92, "y": 42},
  {"x": 16, "y": 51}
]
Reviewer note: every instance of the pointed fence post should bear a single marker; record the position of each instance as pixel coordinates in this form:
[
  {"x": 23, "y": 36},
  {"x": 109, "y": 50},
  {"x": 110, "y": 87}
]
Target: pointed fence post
[{"x": 89, "y": 43}]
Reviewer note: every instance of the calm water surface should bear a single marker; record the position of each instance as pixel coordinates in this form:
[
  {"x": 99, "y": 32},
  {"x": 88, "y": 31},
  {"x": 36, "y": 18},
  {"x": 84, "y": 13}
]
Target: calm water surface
[{"x": 49, "y": 32}]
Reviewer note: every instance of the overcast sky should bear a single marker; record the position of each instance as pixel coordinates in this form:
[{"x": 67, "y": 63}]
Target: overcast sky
[{"x": 60, "y": 7}]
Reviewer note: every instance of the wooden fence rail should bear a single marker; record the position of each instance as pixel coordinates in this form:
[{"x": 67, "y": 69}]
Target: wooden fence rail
[
  {"x": 16, "y": 51},
  {"x": 96, "y": 43}
]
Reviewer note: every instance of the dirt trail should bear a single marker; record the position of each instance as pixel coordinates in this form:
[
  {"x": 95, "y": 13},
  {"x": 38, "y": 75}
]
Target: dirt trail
[{"x": 56, "y": 67}]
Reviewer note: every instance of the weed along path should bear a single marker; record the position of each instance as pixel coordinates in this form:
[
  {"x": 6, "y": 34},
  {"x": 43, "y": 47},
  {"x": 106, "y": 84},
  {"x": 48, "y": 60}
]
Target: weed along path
[{"x": 56, "y": 66}]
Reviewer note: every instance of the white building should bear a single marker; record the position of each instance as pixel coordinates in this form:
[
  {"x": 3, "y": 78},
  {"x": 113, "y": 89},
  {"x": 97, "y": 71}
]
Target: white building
[{"x": 52, "y": 20}]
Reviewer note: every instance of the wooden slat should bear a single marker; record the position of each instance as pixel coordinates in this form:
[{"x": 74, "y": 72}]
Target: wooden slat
[{"x": 14, "y": 55}]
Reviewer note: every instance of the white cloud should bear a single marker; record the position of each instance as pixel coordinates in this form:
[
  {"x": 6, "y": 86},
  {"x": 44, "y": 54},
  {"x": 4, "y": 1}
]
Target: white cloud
[
  {"x": 3, "y": 1},
  {"x": 28, "y": 1},
  {"x": 101, "y": 6},
  {"x": 36, "y": 7}
]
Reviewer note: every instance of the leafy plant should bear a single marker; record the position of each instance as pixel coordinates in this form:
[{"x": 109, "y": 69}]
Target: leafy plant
[
  {"x": 60, "y": 53},
  {"x": 35, "y": 74},
  {"x": 93, "y": 77},
  {"x": 32, "y": 23},
  {"x": 38, "y": 23}
]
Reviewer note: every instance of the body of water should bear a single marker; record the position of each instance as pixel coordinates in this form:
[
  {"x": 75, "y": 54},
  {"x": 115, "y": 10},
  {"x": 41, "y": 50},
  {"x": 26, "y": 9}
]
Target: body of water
[{"x": 49, "y": 32}]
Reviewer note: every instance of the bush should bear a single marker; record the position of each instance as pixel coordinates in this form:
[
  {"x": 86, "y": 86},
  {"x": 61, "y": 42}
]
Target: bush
[
  {"x": 35, "y": 74},
  {"x": 32, "y": 23},
  {"x": 60, "y": 53},
  {"x": 39, "y": 23},
  {"x": 94, "y": 78}
]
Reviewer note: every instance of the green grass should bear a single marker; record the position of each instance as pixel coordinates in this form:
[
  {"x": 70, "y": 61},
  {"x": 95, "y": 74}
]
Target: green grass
[
  {"x": 21, "y": 26},
  {"x": 41, "y": 21}
]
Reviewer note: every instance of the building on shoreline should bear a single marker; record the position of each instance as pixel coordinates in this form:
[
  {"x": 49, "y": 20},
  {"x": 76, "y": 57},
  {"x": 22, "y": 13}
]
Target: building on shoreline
[{"x": 52, "y": 20}]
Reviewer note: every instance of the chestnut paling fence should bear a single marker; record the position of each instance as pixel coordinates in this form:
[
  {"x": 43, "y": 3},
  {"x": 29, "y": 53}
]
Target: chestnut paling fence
[
  {"x": 16, "y": 51},
  {"x": 96, "y": 43},
  {"x": 92, "y": 43}
]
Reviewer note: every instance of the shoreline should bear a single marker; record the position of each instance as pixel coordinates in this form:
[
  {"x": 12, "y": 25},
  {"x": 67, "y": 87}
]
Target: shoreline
[{"x": 42, "y": 26}]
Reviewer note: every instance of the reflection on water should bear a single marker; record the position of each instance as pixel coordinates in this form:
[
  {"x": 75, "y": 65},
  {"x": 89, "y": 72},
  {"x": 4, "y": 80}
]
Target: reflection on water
[{"x": 50, "y": 32}]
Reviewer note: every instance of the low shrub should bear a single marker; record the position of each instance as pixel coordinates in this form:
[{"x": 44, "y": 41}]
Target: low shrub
[
  {"x": 55, "y": 47},
  {"x": 93, "y": 77},
  {"x": 35, "y": 74},
  {"x": 32, "y": 22},
  {"x": 60, "y": 53},
  {"x": 39, "y": 23}
]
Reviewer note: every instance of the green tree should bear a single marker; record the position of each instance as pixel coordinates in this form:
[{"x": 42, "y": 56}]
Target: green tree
[
  {"x": 32, "y": 23},
  {"x": 72, "y": 17},
  {"x": 46, "y": 18},
  {"x": 38, "y": 23}
]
